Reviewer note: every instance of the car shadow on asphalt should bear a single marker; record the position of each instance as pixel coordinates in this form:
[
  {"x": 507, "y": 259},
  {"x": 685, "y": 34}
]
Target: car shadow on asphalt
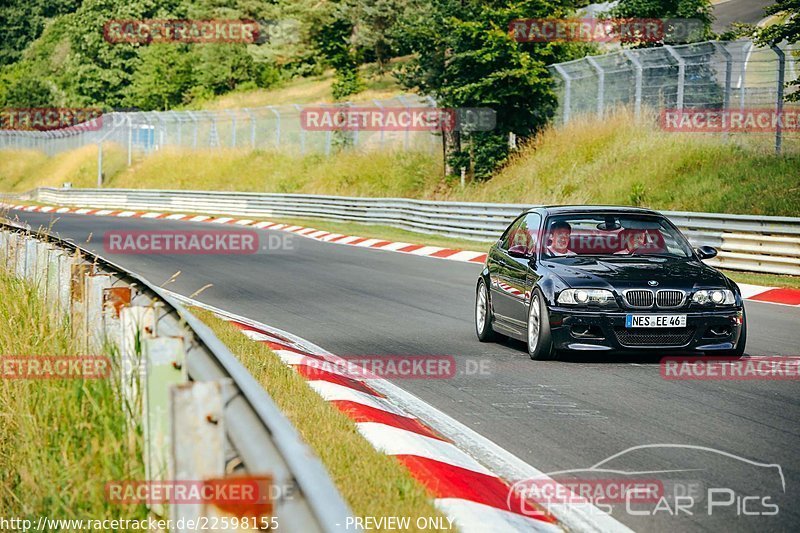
[{"x": 641, "y": 358}]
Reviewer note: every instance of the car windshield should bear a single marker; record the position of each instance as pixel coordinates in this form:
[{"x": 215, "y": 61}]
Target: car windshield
[{"x": 613, "y": 235}]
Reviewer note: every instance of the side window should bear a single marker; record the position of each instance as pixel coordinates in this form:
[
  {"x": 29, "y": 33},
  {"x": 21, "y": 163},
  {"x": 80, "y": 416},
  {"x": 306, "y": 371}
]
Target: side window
[
  {"x": 508, "y": 236},
  {"x": 523, "y": 232}
]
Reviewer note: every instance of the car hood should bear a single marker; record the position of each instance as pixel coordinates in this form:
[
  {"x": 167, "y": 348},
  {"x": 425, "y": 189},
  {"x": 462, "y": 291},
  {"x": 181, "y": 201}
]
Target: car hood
[{"x": 630, "y": 272}]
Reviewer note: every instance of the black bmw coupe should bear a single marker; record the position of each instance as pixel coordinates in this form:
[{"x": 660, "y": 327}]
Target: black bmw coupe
[{"x": 595, "y": 278}]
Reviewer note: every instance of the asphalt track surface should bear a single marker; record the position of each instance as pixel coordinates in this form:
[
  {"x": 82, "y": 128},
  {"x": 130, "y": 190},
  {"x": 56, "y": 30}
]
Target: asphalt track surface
[
  {"x": 749, "y": 11},
  {"x": 554, "y": 415}
]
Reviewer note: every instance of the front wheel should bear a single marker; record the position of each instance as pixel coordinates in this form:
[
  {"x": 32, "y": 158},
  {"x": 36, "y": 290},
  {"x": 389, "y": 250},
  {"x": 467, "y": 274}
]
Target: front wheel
[
  {"x": 540, "y": 341},
  {"x": 483, "y": 314}
]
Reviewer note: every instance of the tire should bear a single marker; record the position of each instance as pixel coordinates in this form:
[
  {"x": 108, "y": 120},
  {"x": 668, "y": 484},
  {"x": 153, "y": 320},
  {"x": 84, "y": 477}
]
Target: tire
[
  {"x": 483, "y": 313},
  {"x": 741, "y": 345},
  {"x": 540, "y": 345}
]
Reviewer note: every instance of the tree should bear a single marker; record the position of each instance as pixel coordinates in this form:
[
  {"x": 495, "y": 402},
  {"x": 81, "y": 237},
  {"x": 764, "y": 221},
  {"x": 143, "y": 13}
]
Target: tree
[
  {"x": 465, "y": 57},
  {"x": 162, "y": 77},
  {"x": 332, "y": 35},
  {"x": 788, "y": 30}
]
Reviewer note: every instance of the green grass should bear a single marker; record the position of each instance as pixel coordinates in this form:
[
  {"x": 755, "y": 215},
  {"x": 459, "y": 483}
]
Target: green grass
[
  {"x": 768, "y": 280},
  {"x": 60, "y": 440},
  {"x": 309, "y": 90},
  {"x": 371, "y": 483},
  {"x": 615, "y": 161}
]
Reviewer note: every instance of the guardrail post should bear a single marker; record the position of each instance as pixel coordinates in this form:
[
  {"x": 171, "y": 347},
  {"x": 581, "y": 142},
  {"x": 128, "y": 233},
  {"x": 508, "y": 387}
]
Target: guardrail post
[
  {"x": 3, "y": 247},
  {"x": 137, "y": 323},
  {"x": 114, "y": 300},
  {"x": 567, "y": 93},
  {"x": 80, "y": 271},
  {"x": 637, "y": 95},
  {"x": 197, "y": 450},
  {"x": 779, "y": 96},
  {"x": 96, "y": 285},
  {"x": 65, "y": 285},
  {"x": 42, "y": 267},
  {"x": 31, "y": 255},
  {"x": 164, "y": 366},
  {"x": 20, "y": 257},
  {"x": 52, "y": 301},
  {"x": 681, "y": 74}
]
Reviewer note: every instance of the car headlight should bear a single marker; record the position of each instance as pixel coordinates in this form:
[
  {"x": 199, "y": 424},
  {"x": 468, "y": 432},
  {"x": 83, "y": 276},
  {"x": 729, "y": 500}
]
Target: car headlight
[
  {"x": 714, "y": 297},
  {"x": 586, "y": 297}
]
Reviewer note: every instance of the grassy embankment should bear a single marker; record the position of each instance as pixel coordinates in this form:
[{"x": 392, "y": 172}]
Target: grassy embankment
[{"x": 60, "y": 440}]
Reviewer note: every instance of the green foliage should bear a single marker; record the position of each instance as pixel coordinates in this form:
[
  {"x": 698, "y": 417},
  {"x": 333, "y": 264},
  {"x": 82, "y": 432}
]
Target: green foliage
[
  {"x": 22, "y": 21},
  {"x": 72, "y": 63},
  {"x": 163, "y": 76},
  {"x": 332, "y": 36},
  {"x": 788, "y": 30},
  {"x": 465, "y": 57}
]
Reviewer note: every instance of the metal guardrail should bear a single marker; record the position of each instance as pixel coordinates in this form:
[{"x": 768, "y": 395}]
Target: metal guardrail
[
  {"x": 753, "y": 243},
  {"x": 204, "y": 415}
]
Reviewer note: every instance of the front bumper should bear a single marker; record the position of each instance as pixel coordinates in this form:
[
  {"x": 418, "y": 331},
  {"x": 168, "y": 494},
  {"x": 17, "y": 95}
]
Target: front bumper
[{"x": 705, "y": 331}]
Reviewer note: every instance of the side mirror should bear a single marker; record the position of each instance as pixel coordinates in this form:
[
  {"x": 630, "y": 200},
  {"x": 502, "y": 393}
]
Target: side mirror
[
  {"x": 520, "y": 251},
  {"x": 706, "y": 252}
]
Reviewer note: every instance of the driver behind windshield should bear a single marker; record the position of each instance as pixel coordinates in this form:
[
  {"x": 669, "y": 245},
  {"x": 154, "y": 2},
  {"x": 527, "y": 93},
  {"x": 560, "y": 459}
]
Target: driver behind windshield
[{"x": 559, "y": 239}]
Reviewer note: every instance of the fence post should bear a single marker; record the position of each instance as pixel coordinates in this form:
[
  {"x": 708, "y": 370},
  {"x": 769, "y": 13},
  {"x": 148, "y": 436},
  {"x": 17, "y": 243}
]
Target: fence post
[
  {"x": 194, "y": 132},
  {"x": 681, "y": 74},
  {"x": 726, "y": 99},
  {"x": 567, "y": 92},
  {"x": 637, "y": 95},
  {"x": 742, "y": 75},
  {"x": 252, "y": 120},
  {"x": 779, "y": 101},
  {"x": 233, "y": 127},
  {"x": 406, "y": 139},
  {"x": 99, "y": 164},
  {"x": 130, "y": 139},
  {"x": 601, "y": 84},
  {"x": 379, "y": 106},
  {"x": 302, "y": 129},
  {"x": 432, "y": 103},
  {"x": 277, "y": 126}
]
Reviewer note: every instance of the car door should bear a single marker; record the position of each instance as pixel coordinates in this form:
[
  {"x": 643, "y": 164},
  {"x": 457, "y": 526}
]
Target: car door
[{"x": 511, "y": 283}]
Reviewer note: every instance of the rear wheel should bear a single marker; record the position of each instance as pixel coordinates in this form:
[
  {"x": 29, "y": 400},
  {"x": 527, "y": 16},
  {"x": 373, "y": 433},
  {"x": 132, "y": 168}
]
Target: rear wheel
[
  {"x": 540, "y": 341},
  {"x": 483, "y": 313}
]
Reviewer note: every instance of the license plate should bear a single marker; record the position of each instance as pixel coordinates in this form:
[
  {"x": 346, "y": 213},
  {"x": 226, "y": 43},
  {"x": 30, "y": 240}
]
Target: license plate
[{"x": 655, "y": 321}]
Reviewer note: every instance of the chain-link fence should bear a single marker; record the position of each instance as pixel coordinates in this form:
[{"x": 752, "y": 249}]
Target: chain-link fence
[
  {"x": 734, "y": 76},
  {"x": 271, "y": 127},
  {"x": 702, "y": 76}
]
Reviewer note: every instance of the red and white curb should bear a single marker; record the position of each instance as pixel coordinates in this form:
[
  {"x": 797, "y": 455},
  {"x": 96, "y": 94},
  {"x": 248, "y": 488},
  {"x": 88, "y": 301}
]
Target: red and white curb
[
  {"x": 474, "y": 497},
  {"x": 758, "y": 293},
  {"x": 465, "y": 256}
]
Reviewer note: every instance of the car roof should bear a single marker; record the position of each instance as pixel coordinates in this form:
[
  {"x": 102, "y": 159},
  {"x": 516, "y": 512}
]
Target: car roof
[{"x": 568, "y": 209}]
